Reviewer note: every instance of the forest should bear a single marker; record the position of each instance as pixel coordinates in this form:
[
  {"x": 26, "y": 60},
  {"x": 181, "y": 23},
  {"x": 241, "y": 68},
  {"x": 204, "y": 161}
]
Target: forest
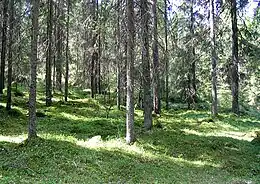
[{"x": 130, "y": 91}]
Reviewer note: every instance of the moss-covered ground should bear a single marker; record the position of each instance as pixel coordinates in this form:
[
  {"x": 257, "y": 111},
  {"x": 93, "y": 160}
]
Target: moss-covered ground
[{"x": 78, "y": 143}]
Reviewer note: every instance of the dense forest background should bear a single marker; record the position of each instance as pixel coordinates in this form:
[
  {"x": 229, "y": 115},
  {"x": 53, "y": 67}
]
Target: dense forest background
[
  {"x": 153, "y": 54},
  {"x": 178, "y": 81}
]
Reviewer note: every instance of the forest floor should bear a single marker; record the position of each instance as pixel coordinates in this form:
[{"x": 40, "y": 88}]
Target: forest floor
[{"x": 78, "y": 143}]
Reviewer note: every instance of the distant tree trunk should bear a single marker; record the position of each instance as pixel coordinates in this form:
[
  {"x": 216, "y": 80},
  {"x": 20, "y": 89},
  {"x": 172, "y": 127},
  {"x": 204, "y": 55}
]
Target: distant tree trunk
[
  {"x": 33, "y": 61},
  {"x": 3, "y": 49},
  {"x": 49, "y": 55},
  {"x": 125, "y": 71},
  {"x": 59, "y": 46},
  {"x": 146, "y": 66},
  {"x": 166, "y": 55},
  {"x": 10, "y": 55},
  {"x": 92, "y": 74},
  {"x": 156, "y": 74},
  {"x": 94, "y": 59},
  {"x": 234, "y": 70},
  {"x": 214, "y": 104},
  {"x": 99, "y": 64},
  {"x": 118, "y": 66},
  {"x": 193, "y": 91},
  {"x": 18, "y": 53},
  {"x": 55, "y": 48},
  {"x": 99, "y": 52},
  {"x": 189, "y": 95},
  {"x": 67, "y": 53},
  {"x": 130, "y": 137}
]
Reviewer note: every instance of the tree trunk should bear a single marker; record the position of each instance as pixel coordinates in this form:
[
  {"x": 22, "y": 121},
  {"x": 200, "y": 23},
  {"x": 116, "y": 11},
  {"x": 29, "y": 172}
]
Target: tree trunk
[
  {"x": 130, "y": 137},
  {"x": 3, "y": 49},
  {"x": 156, "y": 74},
  {"x": 146, "y": 66},
  {"x": 234, "y": 69},
  {"x": 214, "y": 100},
  {"x": 92, "y": 74},
  {"x": 67, "y": 53},
  {"x": 55, "y": 48},
  {"x": 166, "y": 55},
  {"x": 119, "y": 58},
  {"x": 192, "y": 57},
  {"x": 49, "y": 55},
  {"x": 95, "y": 55},
  {"x": 10, "y": 56},
  {"x": 99, "y": 51},
  {"x": 59, "y": 46},
  {"x": 33, "y": 61}
]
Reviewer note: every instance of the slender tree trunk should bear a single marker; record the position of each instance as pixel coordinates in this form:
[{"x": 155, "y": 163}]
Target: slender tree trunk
[
  {"x": 99, "y": 64},
  {"x": 95, "y": 56},
  {"x": 130, "y": 137},
  {"x": 118, "y": 69},
  {"x": 67, "y": 53},
  {"x": 166, "y": 55},
  {"x": 18, "y": 38},
  {"x": 33, "y": 61},
  {"x": 59, "y": 46},
  {"x": 146, "y": 66},
  {"x": 189, "y": 91},
  {"x": 125, "y": 71},
  {"x": 92, "y": 74},
  {"x": 192, "y": 54},
  {"x": 55, "y": 47},
  {"x": 235, "y": 78},
  {"x": 99, "y": 51},
  {"x": 10, "y": 56},
  {"x": 214, "y": 104},
  {"x": 49, "y": 55},
  {"x": 3, "y": 49},
  {"x": 156, "y": 77}
]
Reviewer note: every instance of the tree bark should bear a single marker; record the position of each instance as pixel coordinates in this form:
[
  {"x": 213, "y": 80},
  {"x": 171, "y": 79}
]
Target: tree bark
[
  {"x": 3, "y": 49},
  {"x": 67, "y": 53},
  {"x": 234, "y": 69},
  {"x": 33, "y": 62},
  {"x": 166, "y": 55},
  {"x": 214, "y": 98},
  {"x": 119, "y": 58},
  {"x": 156, "y": 74},
  {"x": 94, "y": 59},
  {"x": 49, "y": 55},
  {"x": 10, "y": 56},
  {"x": 59, "y": 46},
  {"x": 193, "y": 91},
  {"x": 146, "y": 66},
  {"x": 130, "y": 137}
]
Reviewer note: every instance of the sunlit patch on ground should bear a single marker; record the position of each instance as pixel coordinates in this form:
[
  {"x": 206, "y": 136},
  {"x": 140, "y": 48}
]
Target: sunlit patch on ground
[{"x": 12, "y": 139}]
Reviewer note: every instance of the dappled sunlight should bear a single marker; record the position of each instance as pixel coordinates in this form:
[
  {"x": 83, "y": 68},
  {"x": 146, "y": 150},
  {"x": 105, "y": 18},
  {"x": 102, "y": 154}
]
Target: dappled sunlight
[
  {"x": 136, "y": 149},
  {"x": 72, "y": 116},
  {"x": 231, "y": 134},
  {"x": 193, "y": 113},
  {"x": 235, "y": 135},
  {"x": 194, "y": 132},
  {"x": 118, "y": 144},
  {"x": 13, "y": 139},
  {"x": 226, "y": 126}
]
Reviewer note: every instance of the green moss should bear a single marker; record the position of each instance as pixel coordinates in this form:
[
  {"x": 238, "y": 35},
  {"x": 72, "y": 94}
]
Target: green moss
[{"x": 78, "y": 144}]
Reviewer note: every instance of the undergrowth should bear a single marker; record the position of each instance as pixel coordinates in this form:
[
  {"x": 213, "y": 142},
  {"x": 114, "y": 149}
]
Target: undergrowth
[{"x": 79, "y": 143}]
